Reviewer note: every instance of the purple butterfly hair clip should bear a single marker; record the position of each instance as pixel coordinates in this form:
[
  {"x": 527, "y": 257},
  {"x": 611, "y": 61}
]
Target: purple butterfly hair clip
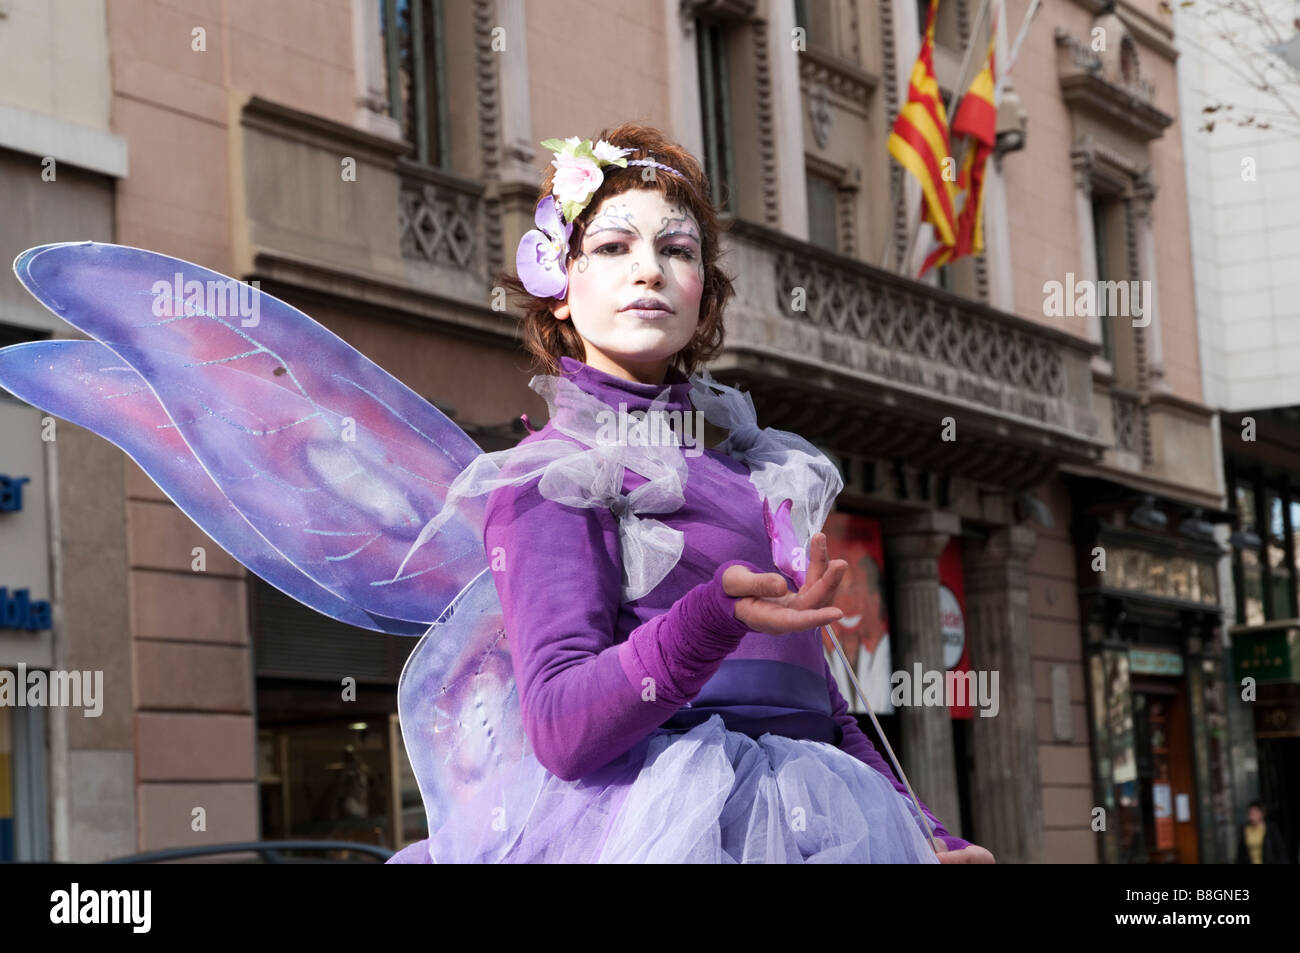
[{"x": 540, "y": 259}]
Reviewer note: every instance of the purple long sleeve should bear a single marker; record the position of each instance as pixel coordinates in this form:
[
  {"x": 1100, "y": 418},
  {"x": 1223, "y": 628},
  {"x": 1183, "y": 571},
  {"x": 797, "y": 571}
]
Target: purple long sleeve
[
  {"x": 583, "y": 695},
  {"x": 860, "y": 746}
]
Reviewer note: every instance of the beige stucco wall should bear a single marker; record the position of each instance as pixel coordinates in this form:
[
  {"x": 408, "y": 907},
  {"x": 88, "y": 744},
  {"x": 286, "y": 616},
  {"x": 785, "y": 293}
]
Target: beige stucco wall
[
  {"x": 53, "y": 58},
  {"x": 194, "y": 723},
  {"x": 617, "y": 76},
  {"x": 1041, "y": 193}
]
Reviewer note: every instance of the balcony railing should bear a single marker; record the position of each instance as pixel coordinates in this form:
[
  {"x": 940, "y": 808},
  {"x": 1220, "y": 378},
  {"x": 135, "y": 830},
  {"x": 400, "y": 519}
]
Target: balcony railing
[
  {"x": 440, "y": 218},
  {"x": 851, "y": 338}
]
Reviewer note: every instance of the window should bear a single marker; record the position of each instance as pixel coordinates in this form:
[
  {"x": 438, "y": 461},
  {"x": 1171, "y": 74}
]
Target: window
[
  {"x": 1281, "y": 578},
  {"x": 715, "y": 111},
  {"x": 815, "y": 18},
  {"x": 945, "y": 23},
  {"x": 1100, "y": 221},
  {"x": 1294, "y": 530},
  {"x": 1128, "y": 61},
  {"x": 1265, "y": 562},
  {"x": 1247, "y": 571},
  {"x": 416, "y": 78},
  {"x": 823, "y": 212}
]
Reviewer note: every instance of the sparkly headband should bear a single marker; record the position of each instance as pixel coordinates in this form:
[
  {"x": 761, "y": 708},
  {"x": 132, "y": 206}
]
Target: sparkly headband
[{"x": 540, "y": 257}]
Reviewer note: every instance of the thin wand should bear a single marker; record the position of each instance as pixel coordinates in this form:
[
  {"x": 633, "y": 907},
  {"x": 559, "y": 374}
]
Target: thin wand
[{"x": 888, "y": 750}]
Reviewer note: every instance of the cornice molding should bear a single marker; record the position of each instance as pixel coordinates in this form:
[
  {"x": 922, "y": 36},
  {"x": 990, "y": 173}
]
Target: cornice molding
[
  {"x": 1153, "y": 34},
  {"x": 1085, "y": 87},
  {"x": 837, "y": 74}
]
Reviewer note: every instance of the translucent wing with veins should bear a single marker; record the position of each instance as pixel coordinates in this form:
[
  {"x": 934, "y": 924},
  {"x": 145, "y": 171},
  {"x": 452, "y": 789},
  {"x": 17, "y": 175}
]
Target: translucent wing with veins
[
  {"x": 305, "y": 461},
  {"x": 334, "y": 462}
]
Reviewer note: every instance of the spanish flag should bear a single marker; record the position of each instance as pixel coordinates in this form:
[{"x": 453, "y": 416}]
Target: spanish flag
[
  {"x": 977, "y": 119},
  {"x": 919, "y": 140}
]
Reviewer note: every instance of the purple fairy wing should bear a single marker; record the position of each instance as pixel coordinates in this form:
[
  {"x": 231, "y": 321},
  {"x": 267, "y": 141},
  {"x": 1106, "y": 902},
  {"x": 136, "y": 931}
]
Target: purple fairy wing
[
  {"x": 334, "y": 462},
  {"x": 459, "y": 709},
  {"x": 86, "y": 383}
]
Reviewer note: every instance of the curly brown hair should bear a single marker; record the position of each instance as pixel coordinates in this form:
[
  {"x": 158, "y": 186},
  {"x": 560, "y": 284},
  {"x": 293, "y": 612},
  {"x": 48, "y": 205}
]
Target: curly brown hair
[{"x": 546, "y": 337}]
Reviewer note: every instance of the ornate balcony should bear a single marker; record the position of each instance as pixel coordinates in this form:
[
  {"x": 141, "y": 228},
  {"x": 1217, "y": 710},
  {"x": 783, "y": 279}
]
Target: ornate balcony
[
  {"x": 328, "y": 208},
  {"x": 866, "y": 362},
  {"x": 1098, "y": 84}
]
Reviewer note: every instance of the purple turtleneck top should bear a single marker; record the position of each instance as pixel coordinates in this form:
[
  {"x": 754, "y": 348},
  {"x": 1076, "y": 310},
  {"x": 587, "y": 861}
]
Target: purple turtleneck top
[{"x": 596, "y": 675}]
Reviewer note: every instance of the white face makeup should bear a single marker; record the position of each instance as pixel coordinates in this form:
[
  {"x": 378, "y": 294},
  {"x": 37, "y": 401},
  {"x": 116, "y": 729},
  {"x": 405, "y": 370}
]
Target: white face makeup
[{"x": 637, "y": 246}]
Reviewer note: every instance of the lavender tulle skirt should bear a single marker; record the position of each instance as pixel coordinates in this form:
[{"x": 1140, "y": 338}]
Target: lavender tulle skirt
[{"x": 707, "y": 795}]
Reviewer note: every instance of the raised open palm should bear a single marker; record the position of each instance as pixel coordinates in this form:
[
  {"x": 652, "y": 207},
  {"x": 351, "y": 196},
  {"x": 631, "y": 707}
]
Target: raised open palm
[{"x": 765, "y": 603}]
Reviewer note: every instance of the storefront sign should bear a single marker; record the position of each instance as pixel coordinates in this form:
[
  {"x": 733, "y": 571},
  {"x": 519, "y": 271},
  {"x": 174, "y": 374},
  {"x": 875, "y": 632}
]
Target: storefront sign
[
  {"x": 26, "y": 615},
  {"x": 1157, "y": 574},
  {"x": 1149, "y": 662},
  {"x": 1268, "y": 656},
  {"x": 18, "y": 611},
  {"x": 11, "y": 493}
]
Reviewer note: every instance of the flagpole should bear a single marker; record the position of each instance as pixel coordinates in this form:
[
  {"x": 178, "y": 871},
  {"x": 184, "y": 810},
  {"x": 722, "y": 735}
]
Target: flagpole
[
  {"x": 958, "y": 88},
  {"x": 902, "y": 775},
  {"x": 1015, "y": 49}
]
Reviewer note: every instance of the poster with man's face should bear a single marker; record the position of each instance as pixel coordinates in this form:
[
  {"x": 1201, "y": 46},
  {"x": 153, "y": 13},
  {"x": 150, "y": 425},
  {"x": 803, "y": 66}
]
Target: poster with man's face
[{"x": 864, "y": 630}]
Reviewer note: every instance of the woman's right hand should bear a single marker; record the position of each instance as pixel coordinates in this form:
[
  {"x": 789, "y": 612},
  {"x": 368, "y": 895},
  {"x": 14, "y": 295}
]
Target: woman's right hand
[{"x": 765, "y": 603}]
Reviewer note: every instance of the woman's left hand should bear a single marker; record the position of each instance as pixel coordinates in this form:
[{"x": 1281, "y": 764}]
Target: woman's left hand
[{"x": 974, "y": 854}]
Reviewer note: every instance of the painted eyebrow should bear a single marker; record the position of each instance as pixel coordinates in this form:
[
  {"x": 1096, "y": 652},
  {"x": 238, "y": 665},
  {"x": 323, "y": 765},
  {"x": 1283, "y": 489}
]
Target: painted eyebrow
[{"x": 666, "y": 232}]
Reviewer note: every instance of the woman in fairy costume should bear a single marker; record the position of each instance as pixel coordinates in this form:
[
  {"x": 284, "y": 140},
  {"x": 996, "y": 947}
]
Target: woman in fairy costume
[{"x": 671, "y": 685}]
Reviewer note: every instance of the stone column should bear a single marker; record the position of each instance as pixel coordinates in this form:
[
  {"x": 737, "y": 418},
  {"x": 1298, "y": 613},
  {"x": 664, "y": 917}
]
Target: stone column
[
  {"x": 1081, "y": 159},
  {"x": 371, "y": 85},
  {"x": 1006, "y": 791},
  {"x": 787, "y": 136},
  {"x": 1144, "y": 194},
  {"x": 913, "y": 543}
]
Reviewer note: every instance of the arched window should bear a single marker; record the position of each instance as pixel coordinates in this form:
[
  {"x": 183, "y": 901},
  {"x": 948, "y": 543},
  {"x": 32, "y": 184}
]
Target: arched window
[{"x": 1128, "y": 60}]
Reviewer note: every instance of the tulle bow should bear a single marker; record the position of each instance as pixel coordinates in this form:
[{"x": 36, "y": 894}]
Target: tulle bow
[
  {"x": 782, "y": 465},
  {"x": 591, "y": 475}
]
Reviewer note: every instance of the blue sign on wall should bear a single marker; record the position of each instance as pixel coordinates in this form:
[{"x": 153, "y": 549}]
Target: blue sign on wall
[
  {"x": 11, "y": 493},
  {"x": 18, "y": 611}
]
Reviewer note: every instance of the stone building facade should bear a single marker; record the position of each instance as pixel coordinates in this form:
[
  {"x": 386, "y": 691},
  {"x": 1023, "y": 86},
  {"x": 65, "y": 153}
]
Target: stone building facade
[{"x": 374, "y": 163}]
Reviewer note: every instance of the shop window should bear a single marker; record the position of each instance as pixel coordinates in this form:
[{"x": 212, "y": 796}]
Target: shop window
[
  {"x": 1293, "y": 531},
  {"x": 1250, "y": 589},
  {"x": 715, "y": 110},
  {"x": 1247, "y": 569},
  {"x": 415, "y": 71},
  {"x": 339, "y": 780},
  {"x": 1265, "y": 558},
  {"x": 1245, "y": 504},
  {"x": 1281, "y": 579}
]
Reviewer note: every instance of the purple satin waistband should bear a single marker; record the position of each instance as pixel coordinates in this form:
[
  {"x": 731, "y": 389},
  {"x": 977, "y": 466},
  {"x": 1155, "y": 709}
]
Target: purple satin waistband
[{"x": 757, "y": 696}]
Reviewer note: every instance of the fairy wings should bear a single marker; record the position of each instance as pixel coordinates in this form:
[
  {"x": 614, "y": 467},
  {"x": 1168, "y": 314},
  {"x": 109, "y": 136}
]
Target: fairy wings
[{"x": 327, "y": 477}]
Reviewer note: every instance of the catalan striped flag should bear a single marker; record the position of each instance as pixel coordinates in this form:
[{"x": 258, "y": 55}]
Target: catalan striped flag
[
  {"x": 977, "y": 119},
  {"x": 919, "y": 140}
]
